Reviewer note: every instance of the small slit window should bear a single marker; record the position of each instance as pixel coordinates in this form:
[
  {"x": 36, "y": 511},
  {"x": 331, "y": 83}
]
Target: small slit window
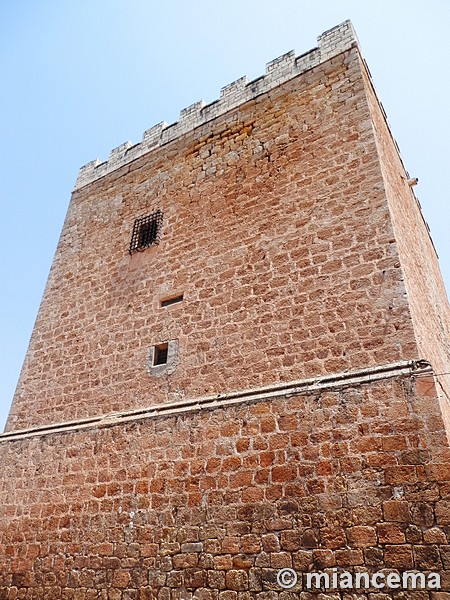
[
  {"x": 160, "y": 355},
  {"x": 146, "y": 232},
  {"x": 173, "y": 300}
]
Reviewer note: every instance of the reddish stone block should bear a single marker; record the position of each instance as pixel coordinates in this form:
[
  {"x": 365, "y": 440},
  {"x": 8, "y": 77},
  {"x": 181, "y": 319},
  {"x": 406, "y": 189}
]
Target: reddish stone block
[
  {"x": 333, "y": 537},
  {"x": 236, "y": 579},
  {"x": 270, "y": 542},
  {"x": 361, "y": 536},
  {"x": 121, "y": 579},
  {"x": 396, "y": 510},
  {"x": 289, "y": 540},
  {"x": 216, "y": 580},
  {"x": 324, "y": 559},
  {"x": 427, "y": 557},
  {"x": 438, "y": 472},
  {"x": 288, "y": 422},
  {"x": 400, "y": 474},
  {"x": 253, "y": 494},
  {"x": 435, "y": 535},
  {"x": 266, "y": 458},
  {"x": 390, "y": 533},
  {"x": 302, "y": 560},
  {"x": 422, "y": 514},
  {"x": 251, "y": 543},
  {"x": 425, "y": 386},
  {"x": 228, "y": 595},
  {"x": 185, "y": 561},
  {"x": 223, "y": 562},
  {"x": 398, "y": 556},
  {"x": 349, "y": 558},
  {"x": 241, "y": 479},
  {"x": 283, "y": 474},
  {"x": 443, "y": 512},
  {"x": 268, "y": 424},
  {"x": 394, "y": 443}
]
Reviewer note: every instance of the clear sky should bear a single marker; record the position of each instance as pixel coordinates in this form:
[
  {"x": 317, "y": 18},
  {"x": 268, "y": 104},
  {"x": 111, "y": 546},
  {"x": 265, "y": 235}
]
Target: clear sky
[{"x": 78, "y": 78}]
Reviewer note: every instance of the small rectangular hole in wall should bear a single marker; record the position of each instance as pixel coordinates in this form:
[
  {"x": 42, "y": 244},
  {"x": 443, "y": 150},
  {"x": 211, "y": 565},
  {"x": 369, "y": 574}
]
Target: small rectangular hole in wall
[
  {"x": 160, "y": 355},
  {"x": 173, "y": 300}
]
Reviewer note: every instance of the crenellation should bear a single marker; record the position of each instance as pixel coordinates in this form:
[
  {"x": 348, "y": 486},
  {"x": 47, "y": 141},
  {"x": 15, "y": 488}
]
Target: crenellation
[
  {"x": 152, "y": 136},
  {"x": 258, "y": 86},
  {"x": 234, "y": 94},
  {"x": 102, "y": 168},
  {"x": 190, "y": 117},
  {"x": 283, "y": 63},
  {"x": 281, "y": 69},
  {"x": 336, "y": 40},
  {"x": 170, "y": 133},
  {"x": 308, "y": 60},
  {"x": 133, "y": 152},
  {"x": 192, "y": 110},
  {"x": 87, "y": 171},
  {"x": 211, "y": 110},
  {"x": 117, "y": 154},
  {"x": 235, "y": 87}
]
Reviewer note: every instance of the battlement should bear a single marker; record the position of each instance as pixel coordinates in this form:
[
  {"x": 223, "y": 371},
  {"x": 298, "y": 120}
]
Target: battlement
[{"x": 281, "y": 69}]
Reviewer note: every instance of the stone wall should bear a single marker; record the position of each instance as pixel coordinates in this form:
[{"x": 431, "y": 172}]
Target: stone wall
[
  {"x": 281, "y": 69},
  {"x": 210, "y": 504},
  {"x": 426, "y": 293},
  {"x": 277, "y": 232},
  {"x": 300, "y": 418}
]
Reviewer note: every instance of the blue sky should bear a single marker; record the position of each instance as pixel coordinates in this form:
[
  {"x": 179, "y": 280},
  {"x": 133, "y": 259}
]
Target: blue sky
[{"x": 79, "y": 78}]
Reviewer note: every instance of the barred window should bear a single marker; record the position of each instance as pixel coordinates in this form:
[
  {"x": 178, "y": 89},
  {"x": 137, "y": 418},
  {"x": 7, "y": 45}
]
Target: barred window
[{"x": 146, "y": 231}]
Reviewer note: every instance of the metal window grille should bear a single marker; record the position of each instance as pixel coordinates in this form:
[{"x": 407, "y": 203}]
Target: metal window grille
[{"x": 146, "y": 231}]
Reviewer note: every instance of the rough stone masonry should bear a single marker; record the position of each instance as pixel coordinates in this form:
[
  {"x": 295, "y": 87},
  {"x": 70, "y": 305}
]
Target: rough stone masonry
[{"x": 240, "y": 363}]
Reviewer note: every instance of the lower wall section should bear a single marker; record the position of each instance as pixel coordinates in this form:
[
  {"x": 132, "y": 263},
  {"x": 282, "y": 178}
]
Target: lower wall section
[{"x": 212, "y": 504}]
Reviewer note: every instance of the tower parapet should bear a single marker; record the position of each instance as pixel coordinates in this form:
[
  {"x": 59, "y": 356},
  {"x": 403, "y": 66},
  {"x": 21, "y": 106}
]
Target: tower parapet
[{"x": 281, "y": 69}]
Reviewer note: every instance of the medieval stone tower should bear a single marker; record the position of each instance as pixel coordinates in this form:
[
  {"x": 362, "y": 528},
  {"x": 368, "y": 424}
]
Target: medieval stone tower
[{"x": 241, "y": 360}]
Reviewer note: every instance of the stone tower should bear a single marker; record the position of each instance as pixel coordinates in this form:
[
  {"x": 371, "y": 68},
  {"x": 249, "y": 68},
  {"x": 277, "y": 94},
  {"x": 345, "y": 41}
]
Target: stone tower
[{"x": 240, "y": 363}]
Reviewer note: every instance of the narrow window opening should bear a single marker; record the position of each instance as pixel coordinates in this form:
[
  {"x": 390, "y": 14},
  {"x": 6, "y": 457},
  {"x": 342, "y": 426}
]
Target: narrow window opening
[
  {"x": 160, "y": 355},
  {"x": 146, "y": 231},
  {"x": 162, "y": 359},
  {"x": 173, "y": 300}
]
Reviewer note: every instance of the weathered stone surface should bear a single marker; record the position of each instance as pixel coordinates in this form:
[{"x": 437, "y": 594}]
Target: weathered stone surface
[
  {"x": 286, "y": 261},
  {"x": 301, "y": 426}
]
